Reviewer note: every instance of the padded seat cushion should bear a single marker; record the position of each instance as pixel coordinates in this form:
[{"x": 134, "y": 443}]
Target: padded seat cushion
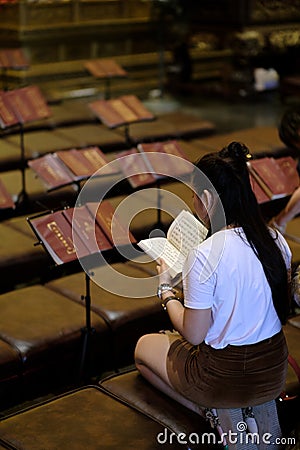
[
  {"x": 20, "y": 260},
  {"x": 10, "y": 154},
  {"x": 10, "y": 361},
  {"x": 88, "y": 418},
  {"x": 117, "y": 310},
  {"x": 85, "y": 135},
  {"x": 127, "y": 317},
  {"x": 45, "y": 328},
  {"x": 10, "y": 374},
  {"x": 40, "y": 142},
  {"x": 130, "y": 387},
  {"x": 260, "y": 140},
  {"x": 173, "y": 125},
  {"x": 37, "y": 192}
]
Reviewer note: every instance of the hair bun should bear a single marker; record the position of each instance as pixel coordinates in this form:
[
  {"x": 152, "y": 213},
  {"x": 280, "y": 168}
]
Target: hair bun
[{"x": 239, "y": 151}]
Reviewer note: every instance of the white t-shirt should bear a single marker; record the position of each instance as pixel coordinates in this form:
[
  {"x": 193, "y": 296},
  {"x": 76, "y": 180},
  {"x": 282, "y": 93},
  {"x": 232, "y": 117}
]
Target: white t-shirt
[{"x": 224, "y": 274}]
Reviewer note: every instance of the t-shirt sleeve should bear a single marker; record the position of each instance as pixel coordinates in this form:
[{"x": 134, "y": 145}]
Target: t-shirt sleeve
[{"x": 198, "y": 281}]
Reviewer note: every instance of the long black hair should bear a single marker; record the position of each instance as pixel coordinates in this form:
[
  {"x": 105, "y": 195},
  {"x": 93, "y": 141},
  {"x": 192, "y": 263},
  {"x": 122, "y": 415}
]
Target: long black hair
[{"x": 227, "y": 171}]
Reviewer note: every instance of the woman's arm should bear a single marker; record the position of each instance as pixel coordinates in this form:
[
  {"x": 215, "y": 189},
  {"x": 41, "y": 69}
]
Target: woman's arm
[
  {"x": 192, "y": 324},
  {"x": 291, "y": 210}
]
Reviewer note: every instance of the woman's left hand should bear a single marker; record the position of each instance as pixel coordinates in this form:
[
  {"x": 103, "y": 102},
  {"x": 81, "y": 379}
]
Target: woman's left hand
[{"x": 163, "y": 272}]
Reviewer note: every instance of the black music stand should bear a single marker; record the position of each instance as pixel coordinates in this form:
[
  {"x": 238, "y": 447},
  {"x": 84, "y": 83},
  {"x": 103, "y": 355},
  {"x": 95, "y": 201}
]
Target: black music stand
[
  {"x": 105, "y": 69},
  {"x": 25, "y": 105},
  {"x": 87, "y": 330},
  {"x": 130, "y": 110}
]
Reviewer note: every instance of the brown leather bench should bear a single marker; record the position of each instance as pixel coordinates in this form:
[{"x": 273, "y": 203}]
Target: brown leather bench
[
  {"x": 10, "y": 374},
  {"x": 45, "y": 329},
  {"x": 20, "y": 260},
  {"x": 173, "y": 125},
  {"x": 260, "y": 140},
  {"x": 39, "y": 142},
  {"x": 87, "y": 418},
  {"x": 123, "y": 411},
  {"x": 129, "y": 307}
]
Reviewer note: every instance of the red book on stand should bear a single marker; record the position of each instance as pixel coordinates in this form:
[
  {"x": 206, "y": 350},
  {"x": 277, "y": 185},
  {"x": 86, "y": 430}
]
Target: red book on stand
[
  {"x": 87, "y": 228},
  {"x": 85, "y": 162},
  {"x": 76, "y": 162},
  {"x": 51, "y": 171},
  {"x": 274, "y": 180},
  {"x": 289, "y": 166},
  {"x": 135, "y": 168},
  {"x": 28, "y": 104},
  {"x": 144, "y": 165},
  {"x": 121, "y": 111},
  {"x": 13, "y": 58},
  {"x": 7, "y": 116},
  {"x": 110, "y": 223},
  {"x": 55, "y": 232},
  {"x": 97, "y": 160},
  {"x": 5, "y": 198},
  {"x": 260, "y": 194},
  {"x": 171, "y": 166},
  {"x": 105, "y": 68}
]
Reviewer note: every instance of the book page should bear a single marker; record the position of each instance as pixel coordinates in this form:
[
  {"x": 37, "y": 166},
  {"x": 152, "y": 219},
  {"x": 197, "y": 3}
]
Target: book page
[
  {"x": 6, "y": 200},
  {"x": 186, "y": 232},
  {"x": 7, "y": 116},
  {"x": 51, "y": 171},
  {"x": 137, "y": 107},
  {"x": 109, "y": 116},
  {"x": 160, "y": 247},
  {"x": 121, "y": 108}
]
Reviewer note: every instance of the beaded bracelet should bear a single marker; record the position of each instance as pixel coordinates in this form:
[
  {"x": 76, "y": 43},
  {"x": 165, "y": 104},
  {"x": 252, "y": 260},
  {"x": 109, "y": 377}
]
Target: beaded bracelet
[
  {"x": 164, "y": 287},
  {"x": 166, "y": 300}
]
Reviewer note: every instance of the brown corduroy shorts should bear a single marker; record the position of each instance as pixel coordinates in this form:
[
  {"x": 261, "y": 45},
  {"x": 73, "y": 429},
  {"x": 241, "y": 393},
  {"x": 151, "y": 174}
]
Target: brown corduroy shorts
[{"x": 233, "y": 377}]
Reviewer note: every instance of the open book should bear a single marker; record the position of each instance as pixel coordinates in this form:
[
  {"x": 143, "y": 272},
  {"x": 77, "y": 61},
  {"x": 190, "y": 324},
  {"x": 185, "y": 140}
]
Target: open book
[
  {"x": 121, "y": 111},
  {"x": 82, "y": 231},
  {"x": 152, "y": 161},
  {"x": 70, "y": 166},
  {"x": 105, "y": 68},
  {"x": 13, "y": 58},
  {"x": 184, "y": 233},
  {"x": 27, "y": 104}
]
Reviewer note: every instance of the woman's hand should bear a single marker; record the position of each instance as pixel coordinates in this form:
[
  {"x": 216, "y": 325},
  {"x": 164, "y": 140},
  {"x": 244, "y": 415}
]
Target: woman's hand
[{"x": 163, "y": 271}]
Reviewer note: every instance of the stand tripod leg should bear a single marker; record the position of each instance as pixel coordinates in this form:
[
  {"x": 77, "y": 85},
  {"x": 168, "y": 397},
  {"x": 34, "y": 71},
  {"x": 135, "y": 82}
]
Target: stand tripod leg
[
  {"x": 87, "y": 331},
  {"x": 22, "y": 196},
  {"x": 107, "y": 94}
]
